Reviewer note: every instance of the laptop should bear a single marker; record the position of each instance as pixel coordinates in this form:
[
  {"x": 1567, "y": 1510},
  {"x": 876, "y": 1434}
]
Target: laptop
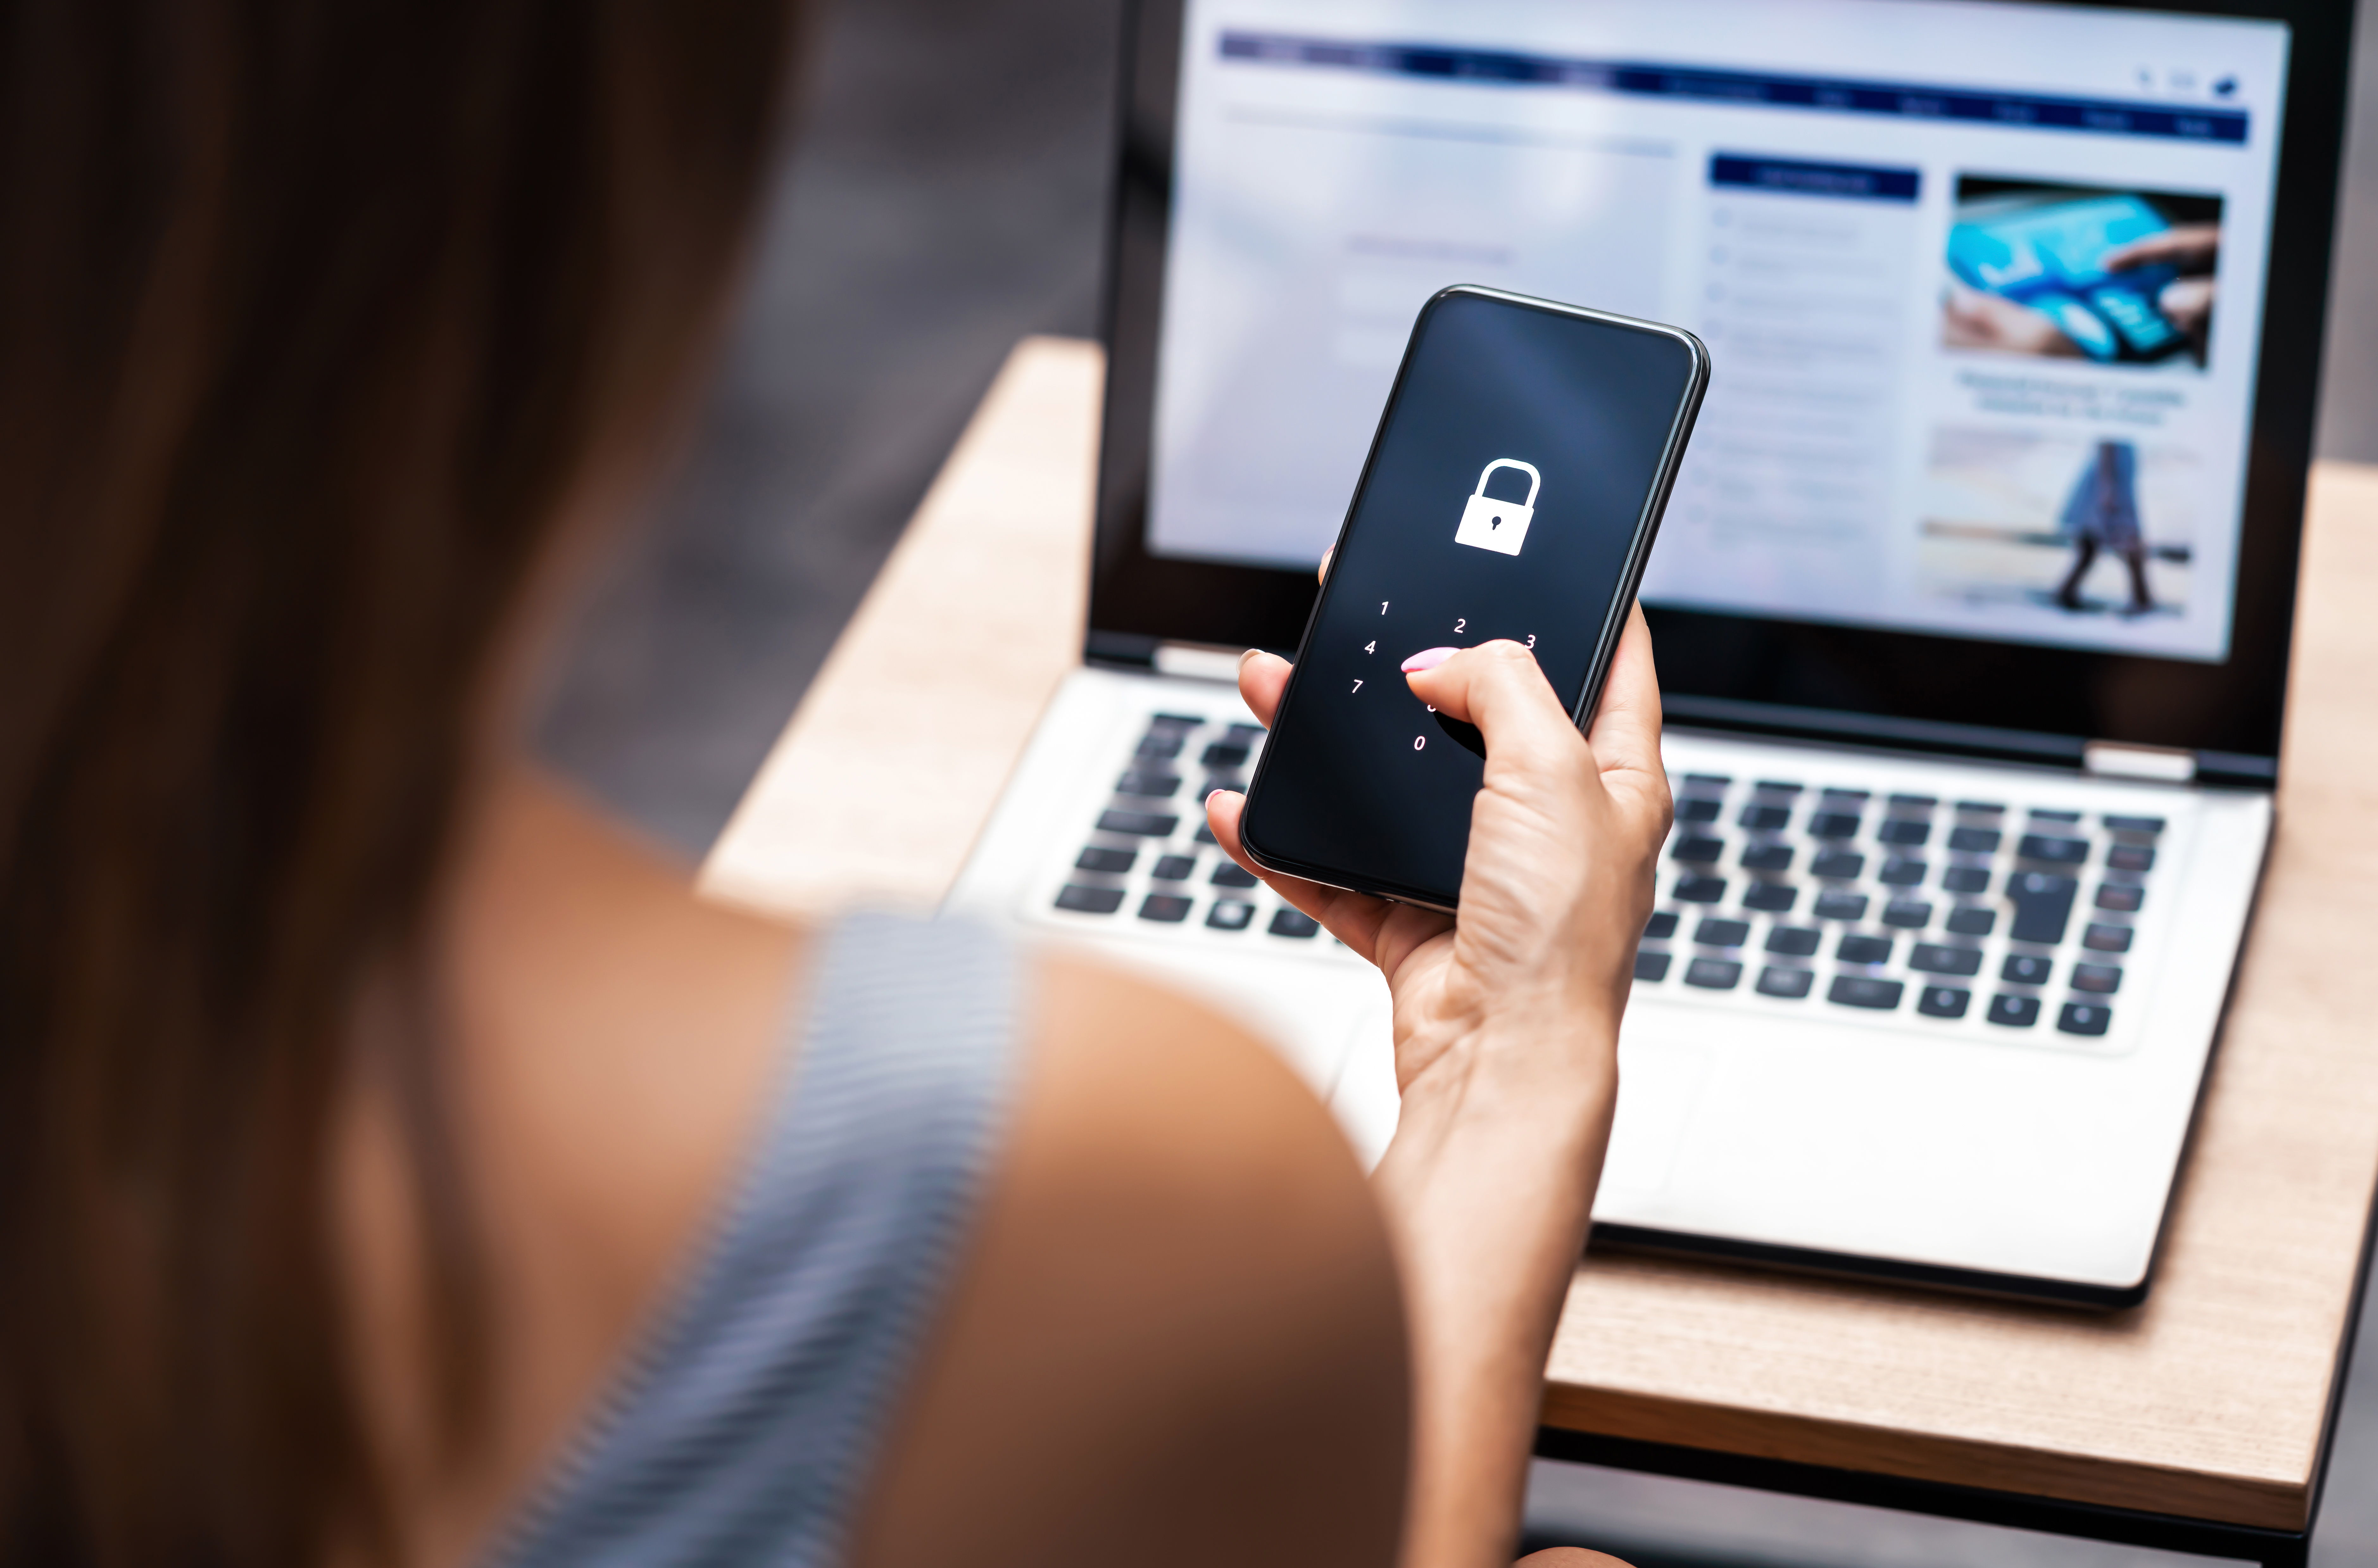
[{"x": 1972, "y": 605}]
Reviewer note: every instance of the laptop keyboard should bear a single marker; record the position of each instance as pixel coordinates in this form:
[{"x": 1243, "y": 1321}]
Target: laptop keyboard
[
  {"x": 2024, "y": 916},
  {"x": 1148, "y": 862},
  {"x": 2007, "y": 918}
]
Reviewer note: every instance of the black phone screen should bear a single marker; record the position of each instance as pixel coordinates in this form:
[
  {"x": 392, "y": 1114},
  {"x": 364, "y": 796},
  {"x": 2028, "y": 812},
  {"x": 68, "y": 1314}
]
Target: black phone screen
[{"x": 1511, "y": 492}]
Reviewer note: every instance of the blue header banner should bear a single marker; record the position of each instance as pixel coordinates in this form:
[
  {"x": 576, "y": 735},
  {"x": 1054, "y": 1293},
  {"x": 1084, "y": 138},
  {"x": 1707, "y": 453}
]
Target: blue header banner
[
  {"x": 1749, "y": 89},
  {"x": 1789, "y": 177}
]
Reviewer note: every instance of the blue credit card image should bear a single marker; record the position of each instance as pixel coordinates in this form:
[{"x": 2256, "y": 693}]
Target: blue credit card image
[{"x": 2050, "y": 258}]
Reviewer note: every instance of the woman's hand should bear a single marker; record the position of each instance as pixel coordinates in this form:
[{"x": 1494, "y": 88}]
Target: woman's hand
[
  {"x": 1563, "y": 837},
  {"x": 1505, "y": 1042}
]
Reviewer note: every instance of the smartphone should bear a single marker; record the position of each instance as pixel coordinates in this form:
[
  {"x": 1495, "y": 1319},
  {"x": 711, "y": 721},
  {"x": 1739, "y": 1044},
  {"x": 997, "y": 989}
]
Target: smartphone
[{"x": 1513, "y": 489}]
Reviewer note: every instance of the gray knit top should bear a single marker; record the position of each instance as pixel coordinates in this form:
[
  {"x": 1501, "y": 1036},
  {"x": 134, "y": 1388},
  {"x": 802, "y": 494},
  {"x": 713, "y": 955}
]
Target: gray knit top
[{"x": 745, "y": 1428}]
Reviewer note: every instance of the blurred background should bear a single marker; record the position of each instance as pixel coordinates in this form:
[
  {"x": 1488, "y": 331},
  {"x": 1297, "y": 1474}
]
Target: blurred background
[{"x": 942, "y": 195}]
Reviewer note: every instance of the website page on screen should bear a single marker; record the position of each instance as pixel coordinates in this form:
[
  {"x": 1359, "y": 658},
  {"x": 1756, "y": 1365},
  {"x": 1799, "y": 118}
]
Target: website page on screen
[{"x": 1982, "y": 283}]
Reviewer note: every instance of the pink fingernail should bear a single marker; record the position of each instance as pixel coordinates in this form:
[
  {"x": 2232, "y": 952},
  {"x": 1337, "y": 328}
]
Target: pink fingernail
[{"x": 1428, "y": 659}]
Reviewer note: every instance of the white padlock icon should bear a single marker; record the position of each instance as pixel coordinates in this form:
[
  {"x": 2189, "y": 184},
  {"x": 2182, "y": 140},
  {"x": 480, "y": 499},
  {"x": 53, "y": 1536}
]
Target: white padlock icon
[{"x": 1499, "y": 525}]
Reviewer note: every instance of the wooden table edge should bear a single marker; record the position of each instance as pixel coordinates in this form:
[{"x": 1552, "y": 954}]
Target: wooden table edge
[{"x": 1959, "y": 1462}]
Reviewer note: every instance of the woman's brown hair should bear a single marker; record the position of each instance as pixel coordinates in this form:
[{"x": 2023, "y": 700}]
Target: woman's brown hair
[{"x": 313, "y": 316}]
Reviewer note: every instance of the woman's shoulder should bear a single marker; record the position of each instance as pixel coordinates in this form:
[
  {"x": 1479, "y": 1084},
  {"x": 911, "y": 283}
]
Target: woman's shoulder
[{"x": 1179, "y": 1288}]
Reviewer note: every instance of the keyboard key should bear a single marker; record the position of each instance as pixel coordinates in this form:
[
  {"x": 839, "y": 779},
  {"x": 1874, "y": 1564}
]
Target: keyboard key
[
  {"x": 1089, "y": 900},
  {"x": 1113, "y": 862},
  {"x": 2039, "y": 816},
  {"x": 1903, "y": 830},
  {"x": 1838, "y": 865},
  {"x": 1160, "y": 745},
  {"x": 1651, "y": 966},
  {"x": 1901, "y": 872},
  {"x": 1864, "y": 950},
  {"x": 1856, "y": 991},
  {"x": 1231, "y": 874},
  {"x": 1661, "y": 926},
  {"x": 1288, "y": 923},
  {"x": 1243, "y": 735},
  {"x": 1709, "y": 781},
  {"x": 1790, "y": 984},
  {"x": 1846, "y": 799},
  {"x": 1965, "y": 879},
  {"x": 1764, "y": 819},
  {"x": 2107, "y": 938},
  {"x": 2083, "y": 1018},
  {"x": 1139, "y": 824},
  {"x": 1691, "y": 810},
  {"x": 1840, "y": 906},
  {"x": 1776, "y": 786},
  {"x": 1974, "y": 840},
  {"x": 1154, "y": 785},
  {"x": 2121, "y": 897},
  {"x": 2015, "y": 1013},
  {"x": 1767, "y": 858},
  {"x": 2055, "y": 851},
  {"x": 1915, "y": 802},
  {"x": 1698, "y": 889},
  {"x": 2097, "y": 979},
  {"x": 1934, "y": 958},
  {"x": 1833, "y": 825},
  {"x": 1943, "y": 1001},
  {"x": 1909, "y": 913},
  {"x": 1698, "y": 851},
  {"x": 1186, "y": 721},
  {"x": 2022, "y": 969},
  {"x": 2043, "y": 904},
  {"x": 1167, "y": 907},
  {"x": 1775, "y": 898},
  {"x": 1713, "y": 974},
  {"x": 1221, "y": 757},
  {"x": 1971, "y": 920},
  {"x": 1204, "y": 834},
  {"x": 2133, "y": 824},
  {"x": 1793, "y": 941},
  {"x": 1723, "y": 933},
  {"x": 1230, "y": 914},
  {"x": 1983, "y": 808},
  {"x": 2130, "y": 857},
  {"x": 1173, "y": 867}
]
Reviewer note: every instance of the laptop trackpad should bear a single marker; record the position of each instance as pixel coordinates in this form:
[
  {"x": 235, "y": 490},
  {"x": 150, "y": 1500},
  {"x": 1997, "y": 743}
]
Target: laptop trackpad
[{"x": 1658, "y": 1082}]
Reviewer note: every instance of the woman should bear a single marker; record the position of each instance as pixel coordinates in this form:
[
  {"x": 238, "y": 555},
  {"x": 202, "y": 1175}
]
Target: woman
[
  {"x": 397, "y": 1163},
  {"x": 2102, "y": 512}
]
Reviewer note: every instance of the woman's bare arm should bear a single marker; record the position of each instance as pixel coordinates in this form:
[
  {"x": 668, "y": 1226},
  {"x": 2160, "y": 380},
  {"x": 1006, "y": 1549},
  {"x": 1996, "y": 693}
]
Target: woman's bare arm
[{"x": 1507, "y": 1030}]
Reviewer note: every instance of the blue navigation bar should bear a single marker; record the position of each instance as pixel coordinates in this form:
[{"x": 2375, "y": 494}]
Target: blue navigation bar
[
  {"x": 1749, "y": 89},
  {"x": 1790, "y": 177}
]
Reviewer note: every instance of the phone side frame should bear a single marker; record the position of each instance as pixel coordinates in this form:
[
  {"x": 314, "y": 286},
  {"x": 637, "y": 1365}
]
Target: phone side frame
[
  {"x": 1638, "y": 552},
  {"x": 1655, "y": 504}
]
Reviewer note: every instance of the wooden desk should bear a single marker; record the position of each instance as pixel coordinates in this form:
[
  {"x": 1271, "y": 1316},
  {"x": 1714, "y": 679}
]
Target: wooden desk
[{"x": 2210, "y": 1402}]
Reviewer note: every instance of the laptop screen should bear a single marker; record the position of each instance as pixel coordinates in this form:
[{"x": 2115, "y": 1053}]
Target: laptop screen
[{"x": 1983, "y": 285}]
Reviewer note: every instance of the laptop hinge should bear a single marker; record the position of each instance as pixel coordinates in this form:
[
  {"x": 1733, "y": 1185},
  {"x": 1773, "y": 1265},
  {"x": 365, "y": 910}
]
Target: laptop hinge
[
  {"x": 1197, "y": 662},
  {"x": 2158, "y": 764}
]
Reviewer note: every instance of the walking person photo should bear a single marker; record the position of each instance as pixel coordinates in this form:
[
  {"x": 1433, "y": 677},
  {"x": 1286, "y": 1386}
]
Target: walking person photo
[{"x": 2103, "y": 513}]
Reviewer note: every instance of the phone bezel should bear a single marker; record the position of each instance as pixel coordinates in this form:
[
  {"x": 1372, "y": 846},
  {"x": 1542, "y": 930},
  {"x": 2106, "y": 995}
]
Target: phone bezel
[{"x": 1613, "y": 616}]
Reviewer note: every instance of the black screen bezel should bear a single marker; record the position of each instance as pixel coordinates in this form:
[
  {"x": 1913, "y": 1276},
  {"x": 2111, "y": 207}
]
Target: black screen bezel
[{"x": 1802, "y": 678}]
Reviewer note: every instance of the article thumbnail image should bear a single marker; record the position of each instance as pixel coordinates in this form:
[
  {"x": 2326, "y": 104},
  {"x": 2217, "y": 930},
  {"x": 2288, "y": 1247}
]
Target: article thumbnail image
[
  {"x": 2118, "y": 277},
  {"x": 2080, "y": 525}
]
